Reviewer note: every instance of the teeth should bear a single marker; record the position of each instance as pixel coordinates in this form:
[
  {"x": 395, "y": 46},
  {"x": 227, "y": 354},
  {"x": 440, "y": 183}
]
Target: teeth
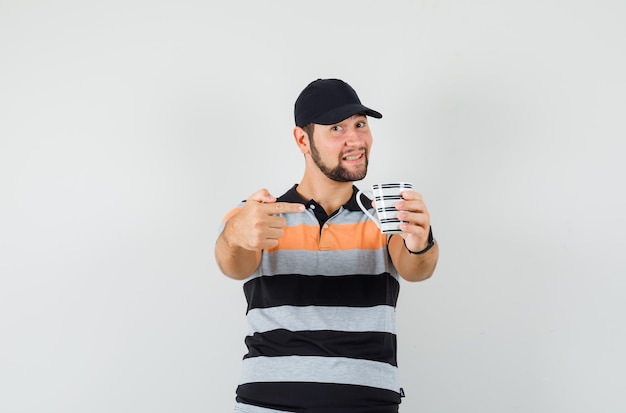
[{"x": 352, "y": 158}]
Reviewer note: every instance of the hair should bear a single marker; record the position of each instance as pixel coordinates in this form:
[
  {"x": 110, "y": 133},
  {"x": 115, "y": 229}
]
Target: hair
[{"x": 309, "y": 128}]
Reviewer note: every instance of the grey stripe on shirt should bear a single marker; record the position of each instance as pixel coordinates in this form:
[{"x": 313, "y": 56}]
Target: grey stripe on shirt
[
  {"x": 326, "y": 262},
  {"x": 350, "y": 319},
  {"x": 337, "y": 370}
]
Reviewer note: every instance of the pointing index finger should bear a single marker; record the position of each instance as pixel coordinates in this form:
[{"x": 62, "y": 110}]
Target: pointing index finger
[{"x": 284, "y": 207}]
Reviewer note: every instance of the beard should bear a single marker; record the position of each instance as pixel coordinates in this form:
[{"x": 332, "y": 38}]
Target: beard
[{"x": 338, "y": 173}]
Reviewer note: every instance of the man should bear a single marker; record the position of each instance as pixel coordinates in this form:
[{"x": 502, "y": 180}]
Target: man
[{"x": 321, "y": 280}]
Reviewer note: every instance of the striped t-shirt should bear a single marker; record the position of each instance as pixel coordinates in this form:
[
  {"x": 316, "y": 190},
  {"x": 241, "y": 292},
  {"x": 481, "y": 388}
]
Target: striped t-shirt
[{"x": 321, "y": 317}]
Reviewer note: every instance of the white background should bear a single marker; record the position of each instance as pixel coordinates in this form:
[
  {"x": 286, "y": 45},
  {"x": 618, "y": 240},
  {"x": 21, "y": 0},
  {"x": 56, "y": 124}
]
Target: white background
[{"x": 129, "y": 128}]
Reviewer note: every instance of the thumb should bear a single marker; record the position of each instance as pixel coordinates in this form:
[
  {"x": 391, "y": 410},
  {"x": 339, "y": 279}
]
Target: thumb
[{"x": 262, "y": 195}]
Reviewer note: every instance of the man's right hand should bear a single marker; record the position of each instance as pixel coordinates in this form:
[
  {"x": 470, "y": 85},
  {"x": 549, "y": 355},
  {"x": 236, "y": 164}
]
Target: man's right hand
[{"x": 257, "y": 226}]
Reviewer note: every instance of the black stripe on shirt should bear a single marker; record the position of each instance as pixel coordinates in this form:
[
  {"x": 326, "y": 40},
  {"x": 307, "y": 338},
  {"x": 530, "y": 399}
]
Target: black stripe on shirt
[
  {"x": 319, "y": 397},
  {"x": 303, "y": 290},
  {"x": 375, "y": 346}
]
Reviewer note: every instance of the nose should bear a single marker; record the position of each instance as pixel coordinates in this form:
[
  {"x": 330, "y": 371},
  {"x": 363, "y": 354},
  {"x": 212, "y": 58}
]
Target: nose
[{"x": 353, "y": 138}]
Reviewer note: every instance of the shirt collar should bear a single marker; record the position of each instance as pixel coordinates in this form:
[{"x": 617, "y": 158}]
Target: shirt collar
[{"x": 292, "y": 196}]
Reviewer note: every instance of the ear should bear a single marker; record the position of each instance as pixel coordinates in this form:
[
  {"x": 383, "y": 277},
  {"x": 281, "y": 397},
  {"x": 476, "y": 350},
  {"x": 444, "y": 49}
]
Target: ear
[{"x": 302, "y": 139}]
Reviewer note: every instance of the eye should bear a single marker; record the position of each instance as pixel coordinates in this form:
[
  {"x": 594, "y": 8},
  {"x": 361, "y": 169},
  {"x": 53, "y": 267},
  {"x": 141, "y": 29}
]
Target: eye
[
  {"x": 361, "y": 124},
  {"x": 335, "y": 128}
]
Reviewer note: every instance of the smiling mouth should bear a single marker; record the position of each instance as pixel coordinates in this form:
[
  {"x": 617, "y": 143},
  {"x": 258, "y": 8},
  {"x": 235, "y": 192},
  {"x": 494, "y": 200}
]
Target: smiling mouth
[{"x": 353, "y": 157}]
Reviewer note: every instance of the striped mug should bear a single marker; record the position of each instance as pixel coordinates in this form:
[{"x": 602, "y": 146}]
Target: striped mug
[{"x": 385, "y": 197}]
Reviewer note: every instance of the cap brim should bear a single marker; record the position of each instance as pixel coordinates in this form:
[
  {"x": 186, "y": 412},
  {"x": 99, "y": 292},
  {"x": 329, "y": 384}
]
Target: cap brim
[{"x": 344, "y": 112}]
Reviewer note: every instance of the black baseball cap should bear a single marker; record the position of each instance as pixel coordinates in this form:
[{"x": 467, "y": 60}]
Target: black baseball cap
[{"x": 328, "y": 101}]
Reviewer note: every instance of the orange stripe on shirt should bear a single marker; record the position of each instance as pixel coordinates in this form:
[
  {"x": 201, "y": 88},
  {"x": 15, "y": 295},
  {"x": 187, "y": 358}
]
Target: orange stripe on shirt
[{"x": 362, "y": 235}]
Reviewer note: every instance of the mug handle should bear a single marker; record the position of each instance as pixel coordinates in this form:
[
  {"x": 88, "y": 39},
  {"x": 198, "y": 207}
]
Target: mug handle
[{"x": 366, "y": 210}]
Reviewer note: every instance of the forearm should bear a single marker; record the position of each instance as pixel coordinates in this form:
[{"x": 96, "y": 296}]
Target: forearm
[
  {"x": 413, "y": 267},
  {"x": 235, "y": 262}
]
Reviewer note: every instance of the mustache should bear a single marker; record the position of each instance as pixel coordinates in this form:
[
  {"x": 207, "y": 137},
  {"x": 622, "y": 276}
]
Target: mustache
[{"x": 354, "y": 151}]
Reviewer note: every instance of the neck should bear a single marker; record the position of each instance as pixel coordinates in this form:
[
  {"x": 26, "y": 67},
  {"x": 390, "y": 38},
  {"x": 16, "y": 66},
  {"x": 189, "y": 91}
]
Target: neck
[{"x": 331, "y": 195}]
